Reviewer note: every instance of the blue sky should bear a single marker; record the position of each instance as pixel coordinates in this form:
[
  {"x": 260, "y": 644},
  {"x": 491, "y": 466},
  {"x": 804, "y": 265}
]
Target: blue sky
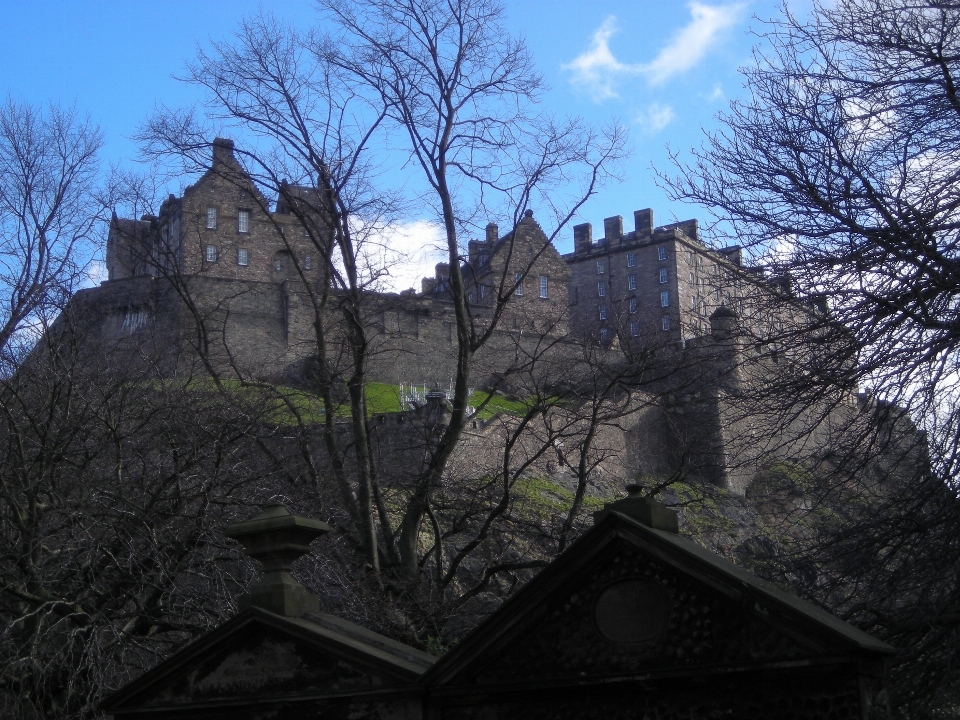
[{"x": 665, "y": 69}]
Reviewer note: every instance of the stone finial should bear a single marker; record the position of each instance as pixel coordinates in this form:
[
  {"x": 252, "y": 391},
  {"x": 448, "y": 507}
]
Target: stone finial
[
  {"x": 277, "y": 539},
  {"x": 644, "y": 510}
]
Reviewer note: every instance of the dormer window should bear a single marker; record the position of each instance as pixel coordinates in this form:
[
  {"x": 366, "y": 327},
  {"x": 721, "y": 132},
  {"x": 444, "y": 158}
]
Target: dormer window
[
  {"x": 211, "y": 218},
  {"x": 243, "y": 221}
]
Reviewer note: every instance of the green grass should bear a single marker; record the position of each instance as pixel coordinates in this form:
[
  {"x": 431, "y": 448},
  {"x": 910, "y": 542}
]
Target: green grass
[
  {"x": 286, "y": 403},
  {"x": 545, "y": 497},
  {"x": 496, "y": 404}
]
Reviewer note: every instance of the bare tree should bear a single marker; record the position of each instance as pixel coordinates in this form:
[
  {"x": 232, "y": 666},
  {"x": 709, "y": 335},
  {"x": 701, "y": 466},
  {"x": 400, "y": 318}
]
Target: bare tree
[
  {"x": 451, "y": 80},
  {"x": 840, "y": 168},
  {"x": 463, "y": 91},
  {"x": 49, "y": 210}
]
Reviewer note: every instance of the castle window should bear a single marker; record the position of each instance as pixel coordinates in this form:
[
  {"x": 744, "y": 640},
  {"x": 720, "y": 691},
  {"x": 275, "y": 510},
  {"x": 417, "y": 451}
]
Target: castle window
[
  {"x": 635, "y": 329},
  {"x": 604, "y": 335},
  {"x": 631, "y": 259},
  {"x": 600, "y": 267},
  {"x": 211, "y": 218},
  {"x": 633, "y": 305},
  {"x": 661, "y": 253},
  {"x": 544, "y": 288},
  {"x": 278, "y": 263},
  {"x": 481, "y": 258},
  {"x": 665, "y": 322},
  {"x": 307, "y": 262},
  {"x": 601, "y": 289},
  {"x": 631, "y": 282},
  {"x": 603, "y": 312},
  {"x": 210, "y": 253},
  {"x": 664, "y": 275},
  {"x": 518, "y": 284},
  {"x": 243, "y": 221},
  {"x": 481, "y": 291},
  {"x": 243, "y": 257},
  {"x": 133, "y": 320},
  {"x": 665, "y": 298}
]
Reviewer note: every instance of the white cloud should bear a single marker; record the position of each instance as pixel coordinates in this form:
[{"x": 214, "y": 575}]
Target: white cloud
[
  {"x": 96, "y": 273},
  {"x": 597, "y": 71},
  {"x": 398, "y": 256},
  {"x": 691, "y": 43},
  {"x": 656, "y": 117},
  {"x": 716, "y": 93}
]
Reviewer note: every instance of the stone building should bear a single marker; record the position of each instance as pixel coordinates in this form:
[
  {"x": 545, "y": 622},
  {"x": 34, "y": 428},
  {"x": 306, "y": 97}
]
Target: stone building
[
  {"x": 221, "y": 227},
  {"x": 662, "y": 284},
  {"x": 632, "y": 621},
  {"x": 223, "y": 273}
]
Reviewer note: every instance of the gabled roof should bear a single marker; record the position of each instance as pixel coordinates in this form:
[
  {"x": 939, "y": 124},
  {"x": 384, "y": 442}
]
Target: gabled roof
[
  {"x": 810, "y": 632},
  {"x": 386, "y": 662}
]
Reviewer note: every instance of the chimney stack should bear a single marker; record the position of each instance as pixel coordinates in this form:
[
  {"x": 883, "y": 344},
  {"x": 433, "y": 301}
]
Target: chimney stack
[
  {"x": 582, "y": 237},
  {"x": 643, "y": 222},
  {"x": 277, "y": 539},
  {"x": 223, "y": 153},
  {"x": 612, "y": 229}
]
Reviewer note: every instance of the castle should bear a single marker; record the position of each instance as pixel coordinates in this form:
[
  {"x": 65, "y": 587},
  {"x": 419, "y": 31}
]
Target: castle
[{"x": 224, "y": 258}]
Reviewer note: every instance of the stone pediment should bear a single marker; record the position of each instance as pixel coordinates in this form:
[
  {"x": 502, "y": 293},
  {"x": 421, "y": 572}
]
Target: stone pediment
[
  {"x": 262, "y": 656},
  {"x": 627, "y": 600}
]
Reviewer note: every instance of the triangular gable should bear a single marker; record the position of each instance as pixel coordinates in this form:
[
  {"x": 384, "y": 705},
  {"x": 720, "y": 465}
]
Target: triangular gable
[
  {"x": 627, "y": 599},
  {"x": 260, "y": 656}
]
